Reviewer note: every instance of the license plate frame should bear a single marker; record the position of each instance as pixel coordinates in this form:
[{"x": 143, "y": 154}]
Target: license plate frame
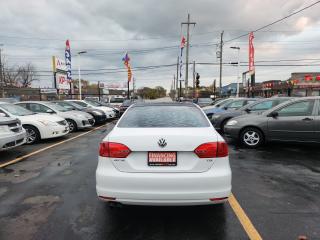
[{"x": 164, "y": 163}]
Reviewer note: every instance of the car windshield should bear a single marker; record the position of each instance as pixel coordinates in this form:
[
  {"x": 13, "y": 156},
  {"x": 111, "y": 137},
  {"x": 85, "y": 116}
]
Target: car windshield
[
  {"x": 94, "y": 103},
  {"x": 163, "y": 117},
  {"x": 83, "y": 104},
  {"x": 75, "y": 105},
  {"x": 57, "y": 107},
  {"x": 116, "y": 100},
  {"x": 204, "y": 100},
  {"x": 16, "y": 110},
  {"x": 65, "y": 105},
  {"x": 224, "y": 103}
]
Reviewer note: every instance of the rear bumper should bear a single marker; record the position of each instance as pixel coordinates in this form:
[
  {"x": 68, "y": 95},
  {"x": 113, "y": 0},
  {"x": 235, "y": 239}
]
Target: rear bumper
[{"x": 163, "y": 188}]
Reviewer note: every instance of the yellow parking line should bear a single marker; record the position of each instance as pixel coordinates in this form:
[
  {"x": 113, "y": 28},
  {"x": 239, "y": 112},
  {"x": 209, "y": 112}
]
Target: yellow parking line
[
  {"x": 46, "y": 148},
  {"x": 244, "y": 219}
]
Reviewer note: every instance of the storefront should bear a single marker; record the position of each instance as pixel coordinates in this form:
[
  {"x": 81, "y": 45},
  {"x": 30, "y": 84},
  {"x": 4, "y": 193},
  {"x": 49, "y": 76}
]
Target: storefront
[{"x": 305, "y": 84}]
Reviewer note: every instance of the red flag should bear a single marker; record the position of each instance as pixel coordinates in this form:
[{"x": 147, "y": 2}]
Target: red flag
[
  {"x": 251, "y": 53},
  {"x": 183, "y": 42}
]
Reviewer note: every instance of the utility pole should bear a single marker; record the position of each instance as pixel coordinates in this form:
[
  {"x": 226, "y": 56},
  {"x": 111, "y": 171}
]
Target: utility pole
[
  {"x": 1, "y": 74},
  {"x": 177, "y": 82},
  {"x": 220, "y": 77},
  {"x": 194, "y": 80},
  {"x": 187, "y": 51}
]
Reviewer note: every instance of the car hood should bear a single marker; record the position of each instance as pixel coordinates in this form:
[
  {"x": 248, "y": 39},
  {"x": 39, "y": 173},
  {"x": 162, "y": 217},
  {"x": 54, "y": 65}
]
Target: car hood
[{"x": 84, "y": 114}]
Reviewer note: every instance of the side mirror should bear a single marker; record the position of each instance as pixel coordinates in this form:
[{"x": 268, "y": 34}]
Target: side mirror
[
  {"x": 273, "y": 114},
  {"x": 3, "y": 115},
  {"x": 49, "y": 111},
  {"x": 248, "y": 110},
  {"x": 225, "y": 108}
]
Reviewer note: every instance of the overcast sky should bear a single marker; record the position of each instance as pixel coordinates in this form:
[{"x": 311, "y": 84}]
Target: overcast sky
[{"x": 34, "y": 30}]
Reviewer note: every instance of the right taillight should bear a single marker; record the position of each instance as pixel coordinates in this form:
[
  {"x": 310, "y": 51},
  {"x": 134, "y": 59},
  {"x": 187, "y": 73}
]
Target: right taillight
[
  {"x": 113, "y": 150},
  {"x": 212, "y": 150}
]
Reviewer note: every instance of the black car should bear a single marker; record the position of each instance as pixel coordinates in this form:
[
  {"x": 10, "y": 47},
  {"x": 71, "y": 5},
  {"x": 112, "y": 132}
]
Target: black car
[
  {"x": 127, "y": 103},
  {"x": 202, "y": 102},
  {"x": 219, "y": 120},
  {"x": 99, "y": 115},
  {"x": 296, "y": 120}
]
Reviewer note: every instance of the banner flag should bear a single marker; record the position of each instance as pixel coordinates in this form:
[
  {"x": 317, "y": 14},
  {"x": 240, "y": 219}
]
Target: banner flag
[
  {"x": 251, "y": 54},
  {"x": 182, "y": 45},
  {"x": 126, "y": 61},
  {"x": 68, "y": 61}
]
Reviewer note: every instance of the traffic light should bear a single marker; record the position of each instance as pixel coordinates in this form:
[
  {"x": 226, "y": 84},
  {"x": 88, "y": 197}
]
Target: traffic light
[{"x": 197, "y": 80}]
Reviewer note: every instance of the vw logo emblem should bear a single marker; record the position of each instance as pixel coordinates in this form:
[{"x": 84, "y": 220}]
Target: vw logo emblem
[{"x": 162, "y": 142}]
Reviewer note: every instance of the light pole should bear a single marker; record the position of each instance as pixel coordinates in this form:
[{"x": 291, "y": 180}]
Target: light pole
[
  {"x": 238, "y": 77},
  {"x": 1, "y": 73},
  {"x": 79, "y": 72}
]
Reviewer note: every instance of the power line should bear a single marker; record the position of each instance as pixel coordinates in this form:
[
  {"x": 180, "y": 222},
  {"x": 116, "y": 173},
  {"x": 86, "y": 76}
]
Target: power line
[{"x": 274, "y": 22}]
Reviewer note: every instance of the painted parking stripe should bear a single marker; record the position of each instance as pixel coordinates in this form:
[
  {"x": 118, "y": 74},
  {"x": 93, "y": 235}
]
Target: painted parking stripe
[
  {"x": 48, "y": 147},
  {"x": 247, "y": 225}
]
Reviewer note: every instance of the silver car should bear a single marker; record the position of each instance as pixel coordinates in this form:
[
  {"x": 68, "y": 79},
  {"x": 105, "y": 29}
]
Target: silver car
[
  {"x": 11, "y": 132},
  {"x": 76, "y": 119}
]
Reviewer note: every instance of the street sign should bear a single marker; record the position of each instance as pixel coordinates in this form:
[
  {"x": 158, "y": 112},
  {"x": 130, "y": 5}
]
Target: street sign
[{"x": 48, "y": 90}]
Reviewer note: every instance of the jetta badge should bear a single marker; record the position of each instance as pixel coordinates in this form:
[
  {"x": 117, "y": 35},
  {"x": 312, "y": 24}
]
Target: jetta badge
[{"x": 162, "y": 142}]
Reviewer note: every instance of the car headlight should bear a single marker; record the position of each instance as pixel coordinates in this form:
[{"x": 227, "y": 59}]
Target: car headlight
[
  {"x": 97, "y": 112},
  {"x": 232, "y": 123},
  {"x": 4, "y": 128},
  {"x": 47, "y": 123}
]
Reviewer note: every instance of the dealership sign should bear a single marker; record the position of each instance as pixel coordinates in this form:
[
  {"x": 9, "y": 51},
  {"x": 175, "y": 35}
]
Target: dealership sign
[
  {"x": 58, "y": 64},
  {"x": 62, "y": 81}
]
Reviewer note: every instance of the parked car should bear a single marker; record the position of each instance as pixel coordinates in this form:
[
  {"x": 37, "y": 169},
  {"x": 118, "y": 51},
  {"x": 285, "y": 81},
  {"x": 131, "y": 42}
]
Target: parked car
[
  {"x": 37, "y": 126},
  {"x": 108, "y": 111},
  {"x": 296, "y": 120},
  {"x": 219, "y": 120},
  {"x": 127, "y": 103},
  {"x": 228, "y": 104},
  {"x": 98, "y": 115},
  {"x": 203, "y": 102},
  {"x": 116, "y": 101},
  {"x": 11, "y": 132},
  {"x": 76, "y": 119},
  {"x": 103, "y": 104},
  {"x": 163, "y": 154}
]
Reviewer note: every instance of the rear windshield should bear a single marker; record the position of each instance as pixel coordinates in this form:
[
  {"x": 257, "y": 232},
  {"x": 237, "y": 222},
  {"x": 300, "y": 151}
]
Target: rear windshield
[{"x": 163, "y": 117}]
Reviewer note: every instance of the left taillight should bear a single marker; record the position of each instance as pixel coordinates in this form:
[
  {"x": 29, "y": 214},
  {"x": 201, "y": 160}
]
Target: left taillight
[
  {"x": 212, "y": 150},
  {"x": 113, "y": 150}
]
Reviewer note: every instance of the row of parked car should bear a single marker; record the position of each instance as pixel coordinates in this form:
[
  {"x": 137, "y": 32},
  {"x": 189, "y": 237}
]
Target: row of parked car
[
  {"x": 255, "y": 121},
  {"x": 31, "y": 121}
]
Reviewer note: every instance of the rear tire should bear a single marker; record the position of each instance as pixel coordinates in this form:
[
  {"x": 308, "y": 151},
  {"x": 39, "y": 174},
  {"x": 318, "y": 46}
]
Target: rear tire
[
  {"x": 251, "y": 137},
  {"x": 33, "y": 134},
  {"x": 72, "y": 125}
]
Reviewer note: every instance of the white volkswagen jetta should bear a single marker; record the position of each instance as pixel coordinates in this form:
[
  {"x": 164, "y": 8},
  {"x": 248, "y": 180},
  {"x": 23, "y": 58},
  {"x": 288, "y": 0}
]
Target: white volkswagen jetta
[{"x": 163, "y": 154}]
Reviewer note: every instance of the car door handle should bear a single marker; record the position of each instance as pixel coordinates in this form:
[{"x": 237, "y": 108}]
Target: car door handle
[{"x": 307, "y": 119}]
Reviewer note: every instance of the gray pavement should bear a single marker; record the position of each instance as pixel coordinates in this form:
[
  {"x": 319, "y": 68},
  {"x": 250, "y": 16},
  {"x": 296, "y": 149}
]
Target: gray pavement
[{"x": 51, "y": 195}]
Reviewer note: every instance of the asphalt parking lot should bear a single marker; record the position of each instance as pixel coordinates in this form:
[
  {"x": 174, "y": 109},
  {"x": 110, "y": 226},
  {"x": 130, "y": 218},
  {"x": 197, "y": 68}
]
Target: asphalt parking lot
[{"x": 50, "y": 194}]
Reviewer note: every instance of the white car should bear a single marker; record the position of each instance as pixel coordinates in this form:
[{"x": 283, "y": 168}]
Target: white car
[
  {"x": 37, "y": 126},
  {"x": 11, "y": 132},
  {"x": 108, "y": 111},
  {"x": 163, "y": 154},
  {"x": 76, "y": 119}
]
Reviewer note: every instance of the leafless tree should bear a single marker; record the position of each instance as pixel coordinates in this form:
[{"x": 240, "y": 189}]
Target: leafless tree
[{"x": 26, "y": 75}]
